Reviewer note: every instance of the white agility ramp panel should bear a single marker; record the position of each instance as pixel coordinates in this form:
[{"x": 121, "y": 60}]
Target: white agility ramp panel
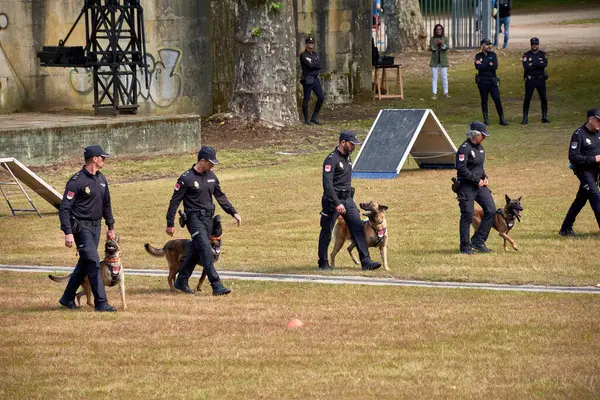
[
  {"x": 395, "y": 135},
  {"x": 20, "y": 172}
]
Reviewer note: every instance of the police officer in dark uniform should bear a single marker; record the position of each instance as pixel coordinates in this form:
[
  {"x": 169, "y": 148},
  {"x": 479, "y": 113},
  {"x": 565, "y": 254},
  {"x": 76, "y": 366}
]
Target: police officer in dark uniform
[
  {"x": 473, "y": 187},
  {"x": 486, "y": 64},
  {"x": 338, "y": 200},
  {"x": 584, "y": 155},
  {"x": 85, "y": 202},
  {"x": 535, "y": 62},
  {"x": 196, "y": 187},
  {"x": 311, "y": 66}
]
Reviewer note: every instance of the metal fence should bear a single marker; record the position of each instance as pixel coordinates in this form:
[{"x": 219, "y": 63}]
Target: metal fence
[{"x": 465, "y": 22}]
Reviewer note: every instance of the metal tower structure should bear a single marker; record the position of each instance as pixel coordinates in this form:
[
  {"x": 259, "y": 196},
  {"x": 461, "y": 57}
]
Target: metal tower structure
[{"x": 115, "y": 49}]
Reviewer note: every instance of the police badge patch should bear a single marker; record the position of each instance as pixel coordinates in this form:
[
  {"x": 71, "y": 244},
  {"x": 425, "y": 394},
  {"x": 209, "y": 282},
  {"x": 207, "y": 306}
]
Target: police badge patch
[
  {"x": 196, "y": 184},
  {"x": 588, "y": 141},
  {"x": 341, "y": 165},
  {"x": 87, "y": 190},
  {"x": 461, "y": 157},
  {"x": 573, "y": 145},
  {"x": 70, "y": 195},
  {"x": 177, "y": 186},
  {"x": 328, "y": 168},
  {"x": 473, "y": 153}
]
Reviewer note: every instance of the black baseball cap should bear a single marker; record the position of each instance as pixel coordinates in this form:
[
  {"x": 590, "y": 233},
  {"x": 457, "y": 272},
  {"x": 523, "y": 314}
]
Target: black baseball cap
[
  {"x": 485, "y": 41},
  {"x": 95, "y": 151},
  {"x": 594, "y": 112},
  {"x": 534, "y": 40},
  {"x": 209, "y": 154},
  {"x": 479, "y": 127},
  {"x": 309, "y": 39},
  {"x": 349, "y": 137}
]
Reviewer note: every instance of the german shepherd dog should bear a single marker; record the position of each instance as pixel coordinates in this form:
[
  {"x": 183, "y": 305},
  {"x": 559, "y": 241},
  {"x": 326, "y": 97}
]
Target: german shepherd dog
[
  {"x": 175, "y": 251},
  {"x": 504, "y": 219},
  {"x": 111, "y": 271},
  {"x": 375, "y": 232}
]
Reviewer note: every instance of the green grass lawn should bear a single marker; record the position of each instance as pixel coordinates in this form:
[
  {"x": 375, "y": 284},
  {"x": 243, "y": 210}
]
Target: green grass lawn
[
  {"x": 530, "y": 6},
  {"x": 359, "y": 341}
]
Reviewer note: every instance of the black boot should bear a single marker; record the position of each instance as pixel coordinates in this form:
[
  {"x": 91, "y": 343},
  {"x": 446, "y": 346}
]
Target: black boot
[
  {"x": 525, "y": 121},
  {"x": 545, "y": 119},
  {"x": 305, "y": 113},
  {"x": 315, "y": 119},
  {"x": 502, "y": 121},
  {"x": 486, "y": 121}
]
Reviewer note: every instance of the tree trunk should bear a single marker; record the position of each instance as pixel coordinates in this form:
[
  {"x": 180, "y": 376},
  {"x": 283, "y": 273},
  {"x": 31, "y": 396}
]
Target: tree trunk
[
  {"x": 405, "y": 26},
  {"x": 265, "y": 74}
]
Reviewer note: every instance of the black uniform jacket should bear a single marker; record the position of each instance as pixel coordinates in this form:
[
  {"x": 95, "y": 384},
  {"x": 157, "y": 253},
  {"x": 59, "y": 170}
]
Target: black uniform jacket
[
  {"x": 310, "y": 63},
  {"x": 337, "y": 176},
  {"x": 585, "y": 145},
  {"x": 86, "y": 198},
  {"x": 535, "y": 64},
  {"x": 469, "y": 163},
  {"x": 197, "y": 190},
  {"x": 488, "y": 66}
]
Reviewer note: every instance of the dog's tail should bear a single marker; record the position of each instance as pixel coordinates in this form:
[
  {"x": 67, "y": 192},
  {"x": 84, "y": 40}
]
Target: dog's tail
[
  {"x": 154, "y": 251},
  {"x": 59, "y": 278}
]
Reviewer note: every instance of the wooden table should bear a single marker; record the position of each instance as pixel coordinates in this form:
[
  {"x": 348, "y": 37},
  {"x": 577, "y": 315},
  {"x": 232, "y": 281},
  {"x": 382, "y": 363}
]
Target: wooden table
[{"x": 383, "y": 83}]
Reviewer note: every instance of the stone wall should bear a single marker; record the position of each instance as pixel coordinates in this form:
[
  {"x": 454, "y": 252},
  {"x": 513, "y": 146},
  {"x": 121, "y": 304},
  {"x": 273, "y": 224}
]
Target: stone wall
[
  {"x": 341, "y": 29},
  {"x": 177, "y": 40}
]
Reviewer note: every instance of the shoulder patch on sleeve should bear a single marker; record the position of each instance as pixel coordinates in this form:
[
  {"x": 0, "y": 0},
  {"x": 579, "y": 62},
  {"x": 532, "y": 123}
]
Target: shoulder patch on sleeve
[
  {"x": 327, "y": 168},
  {"x": 461, "y": 157}
]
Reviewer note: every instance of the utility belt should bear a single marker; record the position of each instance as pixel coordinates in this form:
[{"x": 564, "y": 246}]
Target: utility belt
[
  {"x": 487, "y": 79},
  {"x": 309, "y": 80},
  {"x": 345, "y": 194},
  {"x": 536, "y": 77},
  {"x": 76, "y": 224},
  {"x": 183, "y": 216}
]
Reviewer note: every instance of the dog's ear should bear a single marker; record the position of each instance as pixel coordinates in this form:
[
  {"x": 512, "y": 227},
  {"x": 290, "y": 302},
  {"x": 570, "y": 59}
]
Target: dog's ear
[
  {"x": 383, "y": 207},
  {"x": 507, "y": 198},
  {"x": 217, "y": 229},
  {"x": 519, "y": 198}
]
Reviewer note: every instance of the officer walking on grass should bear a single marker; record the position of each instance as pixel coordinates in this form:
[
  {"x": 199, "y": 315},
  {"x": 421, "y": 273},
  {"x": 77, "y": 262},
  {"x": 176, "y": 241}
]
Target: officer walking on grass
[
  {"x": 338, "y": 200},
  {"x": 584, "y": 155},
  {"x": 85, "y": 202},
  {"x": 535, "y": 62},
  {"x": 473, "y": 186},
  {"x": 196, "y": 187},
  {"x": 311, "y": 66}
]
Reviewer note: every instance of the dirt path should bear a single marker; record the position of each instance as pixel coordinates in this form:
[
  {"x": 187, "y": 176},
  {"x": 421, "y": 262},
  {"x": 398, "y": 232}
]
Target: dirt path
[{"x": 553, "y": 34}]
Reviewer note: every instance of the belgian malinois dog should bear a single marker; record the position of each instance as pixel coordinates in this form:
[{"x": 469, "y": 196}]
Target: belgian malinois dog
[
  {"x": 111, "y": 270},
  {"x": 504, "y": 220},
  {"x": 375, "y": 232},
  {"x": 175, "y": 251}
]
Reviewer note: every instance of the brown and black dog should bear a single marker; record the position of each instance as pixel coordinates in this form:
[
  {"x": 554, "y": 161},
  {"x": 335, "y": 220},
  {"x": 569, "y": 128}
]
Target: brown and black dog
[
  {"x": 111, "y": 270},
  {"x": 504, "y": 220},
  {"x": 175, "y": 251},
  {"x": 375, "y": 232}
]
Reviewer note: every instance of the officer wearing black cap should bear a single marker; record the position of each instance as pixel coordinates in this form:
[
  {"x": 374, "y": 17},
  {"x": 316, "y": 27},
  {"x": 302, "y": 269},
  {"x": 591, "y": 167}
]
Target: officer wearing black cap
[
  {"x": 473, "y": 187},
  {"x": 584, "y": 155},
  {"x": 196, "y": 187},
  {"x": 311, "y": 66},
  {"x": 486, "y": 64},
  {"x": 535, "y": 62},
  {"x": 85, "y": 202},
  {"x": 338, "y": 200}
]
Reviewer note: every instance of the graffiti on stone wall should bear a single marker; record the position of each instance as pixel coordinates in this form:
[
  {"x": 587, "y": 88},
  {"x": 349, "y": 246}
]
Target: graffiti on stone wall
[
  {"x": 164, "y": 79},
  {"x": 12, "y": 91}
]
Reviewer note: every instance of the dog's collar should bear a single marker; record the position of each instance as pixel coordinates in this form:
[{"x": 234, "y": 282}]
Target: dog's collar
[
  {"x": 112, "y": 260},
  {"x": 509, "y": 219},
  {"x": 214, "y": 237}
]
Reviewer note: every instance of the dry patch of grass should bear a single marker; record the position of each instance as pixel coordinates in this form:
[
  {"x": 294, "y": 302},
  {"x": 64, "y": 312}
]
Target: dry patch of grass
[{"x": 358, "y": 342}]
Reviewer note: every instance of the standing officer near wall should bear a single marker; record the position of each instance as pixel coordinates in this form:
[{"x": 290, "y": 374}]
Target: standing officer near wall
[
  {"x": 338, "y": 200},
  {"x": 584, "y": 155},
  {"x": 486, "y": 64},
  {"x": 473, "y": 187},
  {"x": 535, "y": 62},
  {"x": 85, "y": 202},
  {"x": 196, "y": 187},
  {"x": 311, "y": 66}
]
